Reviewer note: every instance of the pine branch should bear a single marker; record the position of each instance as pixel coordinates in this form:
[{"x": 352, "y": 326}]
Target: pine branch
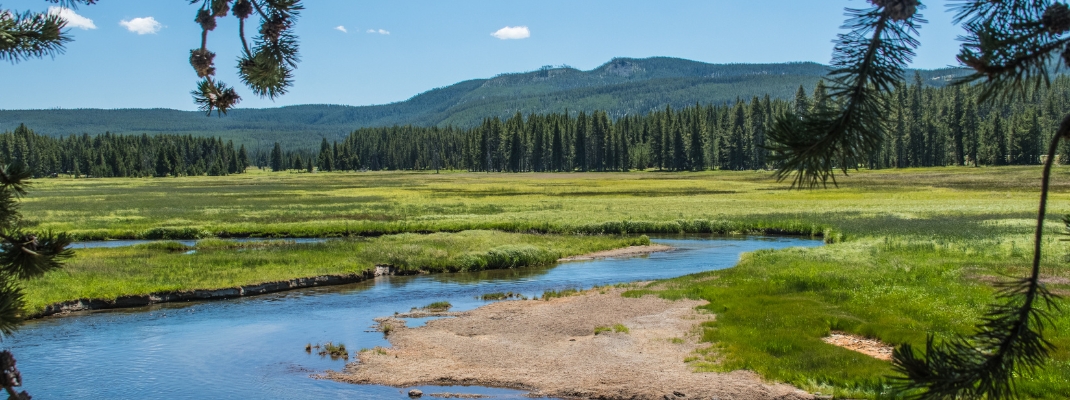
[
  {"x": 868, "y": 62},
  {"x": 31, "y": 35},
  {"x": 1011, "y": 44},
  {"x": 266, "y": 67}
]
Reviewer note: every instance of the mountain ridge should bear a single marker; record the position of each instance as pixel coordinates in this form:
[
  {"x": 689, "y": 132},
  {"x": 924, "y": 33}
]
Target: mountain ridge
[{"x": 620, "y": 86}]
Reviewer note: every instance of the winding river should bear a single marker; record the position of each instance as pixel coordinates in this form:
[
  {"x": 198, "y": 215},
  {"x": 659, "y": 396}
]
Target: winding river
[{"x": 255, "y": 347}]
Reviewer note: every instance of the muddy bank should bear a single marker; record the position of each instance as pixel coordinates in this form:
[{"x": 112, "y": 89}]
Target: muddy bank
[
  {"x": 211, "y": 294},
  {"x": 551, "y": 349},
  {"x": 630, "y": 251}
]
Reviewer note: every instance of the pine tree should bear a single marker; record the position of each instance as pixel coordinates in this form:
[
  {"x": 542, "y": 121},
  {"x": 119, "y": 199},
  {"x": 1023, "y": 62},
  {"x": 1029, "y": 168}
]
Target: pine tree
[
  {"x": 697, "y": 134},
  {"x": 243, "y": 159},
  {"x": 679, "y": 151},
  {"x": 581, "y": 142},
  {"x": 970, "y": 128},
  {"x": 801, "y": 104},
  {"x": 756, "y": 135},
  {"x": 955, "y": 128},
  {"x": 994, "y": 147},
  {"x": 325, "y": 160},
  {"x": 163, "y": 167},
  {"x": 277, "y": 163},
  {"x": 558, "y": 149}
]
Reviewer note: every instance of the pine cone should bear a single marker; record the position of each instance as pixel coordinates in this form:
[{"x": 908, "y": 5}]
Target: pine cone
[
  {"x": 897, "y": 10},
  {"x": 203, "y": 62},
  {"x": 272, "y": 29},
  {"x": 10, "y": 374},
  {"x": 206, "y": 20},
  {"x": 1056, "y": 19},
  {"x": 220, "y": 8},
  {"x": 225, "y": 99},
  {"x": 243, "y": 9}
]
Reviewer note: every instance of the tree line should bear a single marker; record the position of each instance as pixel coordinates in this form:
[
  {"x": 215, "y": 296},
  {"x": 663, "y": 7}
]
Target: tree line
[
  {"x": 925, "y": 126},
  {"x": 111, "y": 155}
]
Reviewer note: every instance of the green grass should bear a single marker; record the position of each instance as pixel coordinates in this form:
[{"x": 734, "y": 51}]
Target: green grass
[
  {"x": 438, "y": 306},
  {"x": 553, "y": 294},
  {"x": 620, "y": 328},
  {"x": 165, "y": 266},
  {"x": 335, "y": 351},
  {"x": 598, "y": 330},
  {"x": 912, "y": 251},
  {"x": 501, "y": 296}
]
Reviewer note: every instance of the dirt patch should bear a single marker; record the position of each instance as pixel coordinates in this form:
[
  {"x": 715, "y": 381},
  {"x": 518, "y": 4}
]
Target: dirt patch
[
  {"x": 630, "y": 251},
  {"x": 869, "y": 347},
  {"x": 550, "y": 348},
  {"x": 1055, "y": 280}
]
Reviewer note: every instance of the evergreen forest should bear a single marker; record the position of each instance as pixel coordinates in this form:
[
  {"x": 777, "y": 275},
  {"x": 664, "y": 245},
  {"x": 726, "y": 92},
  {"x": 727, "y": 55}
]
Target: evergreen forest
[{"x": 925, "y": 125}]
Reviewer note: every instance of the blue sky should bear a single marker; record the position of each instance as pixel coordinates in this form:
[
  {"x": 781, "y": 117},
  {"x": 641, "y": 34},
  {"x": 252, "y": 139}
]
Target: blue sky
[{"x": 135, "y": 54}]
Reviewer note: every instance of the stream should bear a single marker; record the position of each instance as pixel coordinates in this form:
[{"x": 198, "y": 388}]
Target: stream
[{"x": 254, "y": 347}]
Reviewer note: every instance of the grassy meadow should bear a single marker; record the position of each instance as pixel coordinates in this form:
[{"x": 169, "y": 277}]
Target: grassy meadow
[{"x": 911, "y": 251}]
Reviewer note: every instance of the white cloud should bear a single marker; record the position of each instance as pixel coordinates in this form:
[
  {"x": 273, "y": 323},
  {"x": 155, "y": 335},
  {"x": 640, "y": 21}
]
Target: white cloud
[
  {"x": 341, "y": 29},
  {"x": 379, "y": 31},
  {"x": 512, "y": 32},
  {"x": 142, "y": 26},
  {"x": 73, "y": 19}
]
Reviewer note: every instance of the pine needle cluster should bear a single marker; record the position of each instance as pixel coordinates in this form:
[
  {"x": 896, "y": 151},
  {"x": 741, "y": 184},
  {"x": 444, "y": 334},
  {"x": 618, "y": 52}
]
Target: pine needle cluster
[{"x": 34, "y": 35}]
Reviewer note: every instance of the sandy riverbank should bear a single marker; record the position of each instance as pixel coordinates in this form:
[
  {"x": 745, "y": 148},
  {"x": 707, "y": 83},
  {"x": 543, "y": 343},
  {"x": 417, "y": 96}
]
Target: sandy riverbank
[
  {"x": 630, "y": 251},
  {"x": 550, "y": 348}
]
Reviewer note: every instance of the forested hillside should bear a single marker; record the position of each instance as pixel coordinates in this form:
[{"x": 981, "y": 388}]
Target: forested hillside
[
  {"x": 926, "y": 126},
  {"x": 620, "y": 87}
]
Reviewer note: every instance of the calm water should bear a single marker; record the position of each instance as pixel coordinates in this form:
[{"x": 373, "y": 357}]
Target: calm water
[{"x": 253, "y": 348}]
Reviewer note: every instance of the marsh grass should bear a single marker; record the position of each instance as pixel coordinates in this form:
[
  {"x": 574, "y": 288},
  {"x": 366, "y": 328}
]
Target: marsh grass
[
  {"x": 554, "y": 294},
  {"x": 914, "y": 251},
  {"x": 500, "y": 296},
  {"x": 334, "y": 351},
  {"x": 439, "y": 306},
  {"x": 165, "y": 266}
]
